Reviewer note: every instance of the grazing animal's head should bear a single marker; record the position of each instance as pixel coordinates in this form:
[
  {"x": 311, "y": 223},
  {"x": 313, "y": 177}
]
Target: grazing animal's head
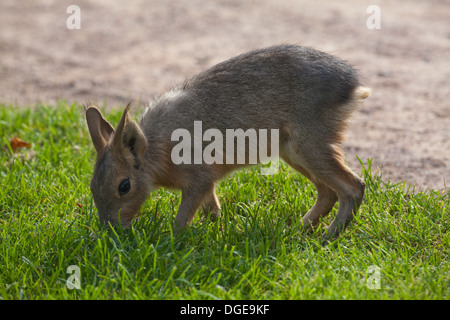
[{"x": 119, "y": 183}]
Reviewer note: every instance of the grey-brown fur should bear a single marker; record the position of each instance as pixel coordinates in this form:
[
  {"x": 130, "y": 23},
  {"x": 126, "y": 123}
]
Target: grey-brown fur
[{"x": 306, "y": 94}]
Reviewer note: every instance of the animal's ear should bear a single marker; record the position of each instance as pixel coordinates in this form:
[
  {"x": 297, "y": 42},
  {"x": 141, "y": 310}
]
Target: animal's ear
[
  {"x": 99, "y": 129},
  {"x": 129, "y": 136}
]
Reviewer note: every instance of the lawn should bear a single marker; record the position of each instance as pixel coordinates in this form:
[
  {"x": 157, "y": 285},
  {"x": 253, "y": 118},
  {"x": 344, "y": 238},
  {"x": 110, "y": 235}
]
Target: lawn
[{"x": 52, "y": 245}]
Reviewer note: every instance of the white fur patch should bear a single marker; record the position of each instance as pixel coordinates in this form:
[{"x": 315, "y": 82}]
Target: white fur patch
[
  {"x": 173, "y": 94},
  {"x": 164, "y": 101}
]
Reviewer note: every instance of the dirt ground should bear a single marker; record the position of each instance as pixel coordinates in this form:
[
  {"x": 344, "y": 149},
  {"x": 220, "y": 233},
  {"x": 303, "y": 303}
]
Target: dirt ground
[{"x": 135, "y": 49}]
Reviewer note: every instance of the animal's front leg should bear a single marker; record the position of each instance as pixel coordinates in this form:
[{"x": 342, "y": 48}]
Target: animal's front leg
[
  {"x": 191, "y": 199},
  {"x": 211, "y": 206}
]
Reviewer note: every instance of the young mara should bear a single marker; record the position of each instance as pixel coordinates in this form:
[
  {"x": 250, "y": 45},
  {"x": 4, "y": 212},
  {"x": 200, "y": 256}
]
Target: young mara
[{"x": 291, "y": 99}]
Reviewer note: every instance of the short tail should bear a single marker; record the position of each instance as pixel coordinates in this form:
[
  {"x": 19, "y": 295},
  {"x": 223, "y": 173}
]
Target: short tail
[
  {"x": 362, "y": 92},
  {"x": 358, "y": 94}
]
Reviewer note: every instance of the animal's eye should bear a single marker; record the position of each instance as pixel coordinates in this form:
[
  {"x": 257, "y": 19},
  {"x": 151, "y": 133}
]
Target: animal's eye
[{"x": 124, "y": 186}]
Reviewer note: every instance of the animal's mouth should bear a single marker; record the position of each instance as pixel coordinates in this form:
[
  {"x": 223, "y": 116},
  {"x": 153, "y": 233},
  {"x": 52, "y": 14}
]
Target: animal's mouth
[
  {"x": 123, "y": 221},
  {"x": 116, "y": 223}
]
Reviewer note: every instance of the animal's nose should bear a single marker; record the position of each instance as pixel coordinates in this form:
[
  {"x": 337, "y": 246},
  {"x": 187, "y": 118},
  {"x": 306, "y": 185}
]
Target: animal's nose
[{"x": 106, "y": 220}]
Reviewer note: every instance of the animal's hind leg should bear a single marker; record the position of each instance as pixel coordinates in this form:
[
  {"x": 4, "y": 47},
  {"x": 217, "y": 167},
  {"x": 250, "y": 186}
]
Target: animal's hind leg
[
  {"x": 350, "y": 189},
  {"x": 326, "y": 197},
  {"x": 324, "y": 163},
  {"x": 347, "y": 185}
]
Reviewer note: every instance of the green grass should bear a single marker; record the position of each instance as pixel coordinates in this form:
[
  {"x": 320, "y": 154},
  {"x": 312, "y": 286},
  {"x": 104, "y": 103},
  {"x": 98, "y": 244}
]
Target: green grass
[{"x": 255, "y": 251}]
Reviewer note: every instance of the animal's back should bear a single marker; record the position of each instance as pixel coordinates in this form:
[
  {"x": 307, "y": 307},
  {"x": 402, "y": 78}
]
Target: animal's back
[
  {"x": 277, "y": 77},
  {"x": 266, "y": 88}
]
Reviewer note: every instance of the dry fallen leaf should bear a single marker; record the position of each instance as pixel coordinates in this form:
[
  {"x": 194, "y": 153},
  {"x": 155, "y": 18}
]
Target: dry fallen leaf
[{"x": 17, "y": 143}]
